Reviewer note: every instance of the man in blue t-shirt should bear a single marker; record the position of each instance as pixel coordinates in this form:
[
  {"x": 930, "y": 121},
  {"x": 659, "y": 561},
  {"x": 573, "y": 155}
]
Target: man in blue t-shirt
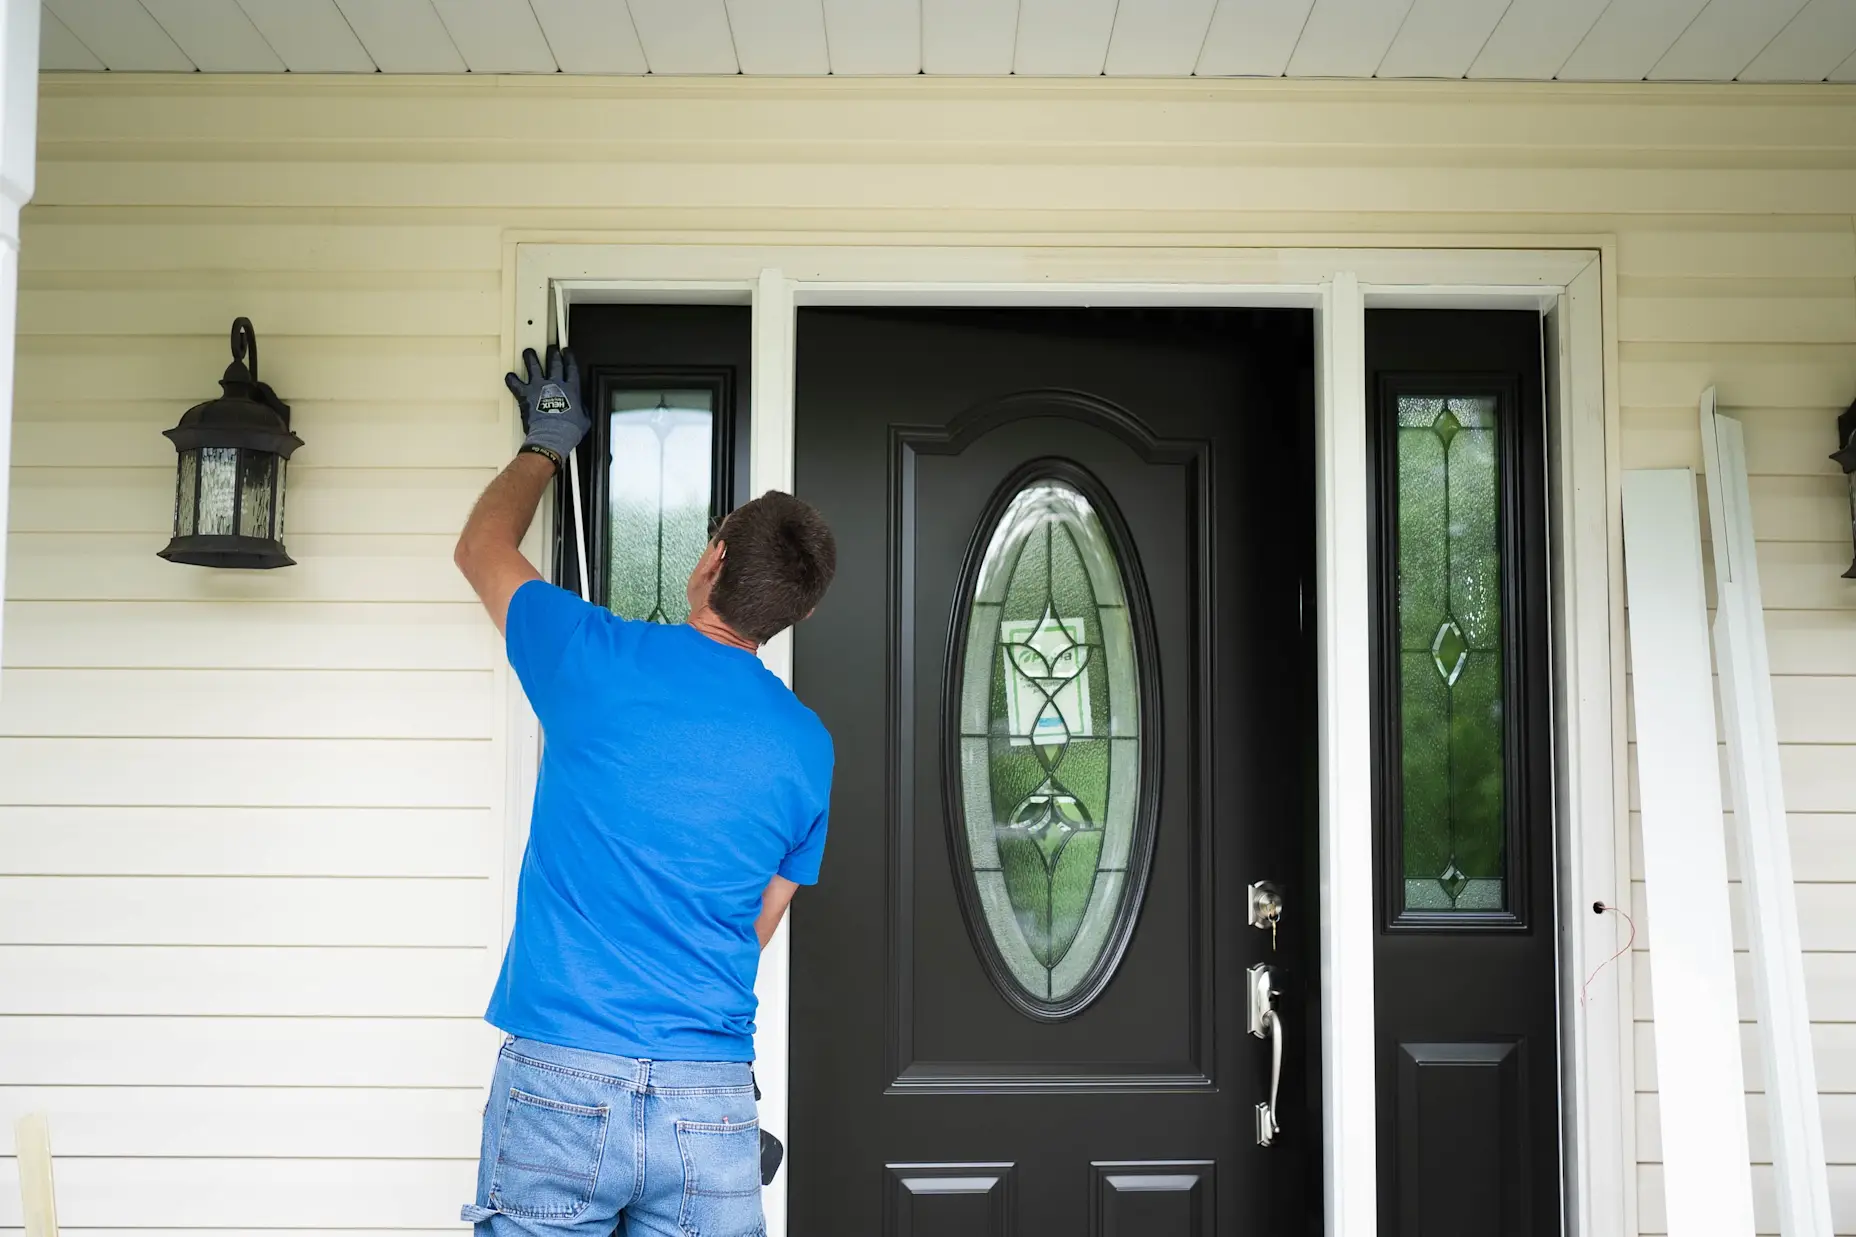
[{"x": 682, "y": 801}]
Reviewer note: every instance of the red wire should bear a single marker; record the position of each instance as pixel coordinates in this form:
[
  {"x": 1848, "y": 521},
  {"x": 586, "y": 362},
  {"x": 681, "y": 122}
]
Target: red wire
[{"x": 1606, "y": 906}]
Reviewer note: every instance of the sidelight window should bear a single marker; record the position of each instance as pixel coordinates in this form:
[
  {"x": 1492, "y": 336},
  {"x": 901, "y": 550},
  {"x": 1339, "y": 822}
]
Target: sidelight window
[
  {"x": 1451, "y": 677},
  {"x": 656, "y": 475},
  {"x": 1054, "y": 815}
]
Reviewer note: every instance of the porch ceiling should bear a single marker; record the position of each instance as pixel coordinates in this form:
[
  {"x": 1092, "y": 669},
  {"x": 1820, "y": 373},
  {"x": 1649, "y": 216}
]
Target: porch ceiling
[{"x": 1537, "y": 40}]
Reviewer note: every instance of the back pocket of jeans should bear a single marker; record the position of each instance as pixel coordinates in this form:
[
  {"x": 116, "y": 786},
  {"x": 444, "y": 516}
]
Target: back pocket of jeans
[
  {"x": 548, "y": 1159},
  {"x": 721, "y": 1178}
]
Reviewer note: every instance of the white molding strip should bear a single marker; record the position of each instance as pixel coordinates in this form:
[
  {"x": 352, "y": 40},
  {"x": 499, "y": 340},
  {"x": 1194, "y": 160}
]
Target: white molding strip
[
  {"x": 19, "y": 121},
  {"x": 32, "y": 1140},
  {"x": 1343, "y": 592},
  {"x": 770, "y": 467},
  {"x": 1595, "y": 1022},
  {"x": 1707, "y": 1175},
  {"x": 1771, "y": 904}
]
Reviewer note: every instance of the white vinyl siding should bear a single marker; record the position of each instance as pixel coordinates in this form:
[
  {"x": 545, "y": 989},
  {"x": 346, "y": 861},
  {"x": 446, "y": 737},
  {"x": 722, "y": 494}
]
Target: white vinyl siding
[{"x": 251, "y": 825}]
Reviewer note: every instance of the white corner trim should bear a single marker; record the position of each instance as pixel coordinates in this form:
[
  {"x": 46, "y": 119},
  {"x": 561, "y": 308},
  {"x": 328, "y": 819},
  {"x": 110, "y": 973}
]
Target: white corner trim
[
  {"x": 770, "y": 467},
  {"x": 1771, "y": 905},
  {"x": 1701, "y": 1087},
  {"x": 1595, "y": 1023},
  {"x": 1343, "y": 591},
  {"x": 19, "y": 111}
]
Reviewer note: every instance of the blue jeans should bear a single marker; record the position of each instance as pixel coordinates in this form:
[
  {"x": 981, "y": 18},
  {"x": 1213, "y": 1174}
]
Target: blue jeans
[{"x": 582, "y": 1142}]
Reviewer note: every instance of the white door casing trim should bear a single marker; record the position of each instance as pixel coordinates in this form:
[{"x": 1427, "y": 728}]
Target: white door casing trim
[{"x": 1567, "y": 279}]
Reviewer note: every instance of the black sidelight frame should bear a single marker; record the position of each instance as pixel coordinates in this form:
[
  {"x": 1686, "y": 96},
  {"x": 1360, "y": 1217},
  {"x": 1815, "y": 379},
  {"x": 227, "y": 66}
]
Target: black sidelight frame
[
  {"x": 1522, "y": 536},
  {"x": 599, "y": 383}
]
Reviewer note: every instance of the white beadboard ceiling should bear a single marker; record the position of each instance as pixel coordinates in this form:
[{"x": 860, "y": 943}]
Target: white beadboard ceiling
[{"x": 1535, "y": 40}]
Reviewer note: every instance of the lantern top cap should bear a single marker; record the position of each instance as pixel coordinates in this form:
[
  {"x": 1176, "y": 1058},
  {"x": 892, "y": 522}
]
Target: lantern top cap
[
  {"x": 241, "y": 377},
  {"x": 247, "y": 414}
]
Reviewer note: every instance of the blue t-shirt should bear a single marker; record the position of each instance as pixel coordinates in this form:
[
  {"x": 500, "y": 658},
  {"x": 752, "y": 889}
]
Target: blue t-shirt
[{"x": 678, "y": 775}]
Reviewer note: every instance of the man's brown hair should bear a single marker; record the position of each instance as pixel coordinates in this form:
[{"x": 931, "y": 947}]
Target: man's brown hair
[{"x": 781, "y": 557}]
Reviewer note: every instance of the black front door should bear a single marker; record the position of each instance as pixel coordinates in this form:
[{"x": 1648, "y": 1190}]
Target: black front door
[{"x": 1066, "y": 667}]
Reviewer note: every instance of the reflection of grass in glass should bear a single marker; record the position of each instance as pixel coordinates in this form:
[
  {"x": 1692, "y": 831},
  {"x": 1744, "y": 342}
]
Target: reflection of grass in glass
[
  {"x": 1071, "y": 884},
  {"x": 1449, "y": 631},
  {"x": 644, "y": 583}
]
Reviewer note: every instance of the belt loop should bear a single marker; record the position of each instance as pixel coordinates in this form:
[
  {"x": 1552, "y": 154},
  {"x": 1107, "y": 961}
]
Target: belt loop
[{"x": 644, "y": 1075}]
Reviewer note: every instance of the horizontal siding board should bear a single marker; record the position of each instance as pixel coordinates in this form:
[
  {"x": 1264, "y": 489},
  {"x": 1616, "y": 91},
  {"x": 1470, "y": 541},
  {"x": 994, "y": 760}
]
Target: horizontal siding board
[
  {"x": 268, "y": 704},
  {"x": 185, "y": 910},
  {"x": 1805, "y": 642},
  {"x": 113, "y": 567},
  {"x": 1030, "y": 173},
  {"x": 246, "y": 841},
  {"x": 384, "y": 369},
  {"x": 1839, "y": 1118},
  {"x": 1737, "y": 320},
  {"x": 1809, "y": 708},
  {"x": 210, "y": 1194},
  {"x": 255, "y": 635},
  {"x": 1780, "y": 442},
  {"x": 1830, "y": 987},
  {"x": 317, "y": 500},
  {"x": 1826, "y": 915},
  {"x": 1816, "y": 777},
  {"x": 1823, "y": 846},
  {"x": 245, "y": 1052},
  {"x": 277, "y": 313},
  {"x": 412, "y": 773},
  {"x": 244, "y": 980},
  {"x": 336, "y": 434},
  {"x": 1673, "y": 375},
  {"x": 259, "y": 1122},
  {"x": 51, "y": 241},
  {"x": 1834, "y": 1044},
  {"x": 1652, "y": 1221},
  {"x": 1829, "y": 253}
]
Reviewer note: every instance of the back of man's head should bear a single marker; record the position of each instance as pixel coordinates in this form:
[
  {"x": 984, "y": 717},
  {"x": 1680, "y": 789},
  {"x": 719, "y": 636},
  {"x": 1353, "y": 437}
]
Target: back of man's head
[{"x": 781, "y": 557}]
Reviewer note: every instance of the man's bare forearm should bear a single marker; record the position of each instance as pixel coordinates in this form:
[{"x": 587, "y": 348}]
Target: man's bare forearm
[
  {"x": 489, "y": 550},
  {"x": 506, "y": 509}
]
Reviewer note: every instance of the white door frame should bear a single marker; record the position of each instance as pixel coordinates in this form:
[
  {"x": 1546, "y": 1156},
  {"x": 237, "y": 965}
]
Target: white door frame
[{"x": 1569, "y": 280}]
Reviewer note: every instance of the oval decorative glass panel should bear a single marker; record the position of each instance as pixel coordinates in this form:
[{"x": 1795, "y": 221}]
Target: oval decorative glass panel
[{"x": 1052, "y": 826}]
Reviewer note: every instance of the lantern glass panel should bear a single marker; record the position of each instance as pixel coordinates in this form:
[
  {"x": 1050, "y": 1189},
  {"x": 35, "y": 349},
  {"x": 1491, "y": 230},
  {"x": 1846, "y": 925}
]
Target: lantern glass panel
[
  {"x": 254, "y": 499},
  {"x": 218, "y": 490},
  {"x": 187, "y": 493},
  {"x": 277, "y": 528}
]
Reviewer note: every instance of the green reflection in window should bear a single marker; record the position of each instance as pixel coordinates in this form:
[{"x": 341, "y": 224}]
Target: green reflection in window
[
  {"x": 1450, "y": 662},
  {"x": 1050, "y": 741},
  {"x": 658, "y": 492}
]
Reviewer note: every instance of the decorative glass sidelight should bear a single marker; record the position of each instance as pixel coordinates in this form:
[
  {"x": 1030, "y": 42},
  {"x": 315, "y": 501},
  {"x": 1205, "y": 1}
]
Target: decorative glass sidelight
[
  {"x": 1450, "y": 654},
  {"x": 1051, "y": 824},
  {"x": 661, "y": 477}
]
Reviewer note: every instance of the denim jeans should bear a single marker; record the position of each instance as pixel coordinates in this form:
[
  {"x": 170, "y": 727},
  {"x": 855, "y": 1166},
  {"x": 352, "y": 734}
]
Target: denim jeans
[{"x": 581, "y": 1142}]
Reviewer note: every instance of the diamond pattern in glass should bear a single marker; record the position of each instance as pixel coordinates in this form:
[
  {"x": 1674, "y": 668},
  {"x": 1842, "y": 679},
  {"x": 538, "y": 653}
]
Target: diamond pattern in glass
[{"x": 1449, "y": 623}]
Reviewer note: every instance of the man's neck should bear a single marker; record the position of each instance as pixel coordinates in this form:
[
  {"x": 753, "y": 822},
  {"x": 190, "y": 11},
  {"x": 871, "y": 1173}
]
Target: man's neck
[{"x": 710, "y": 624}]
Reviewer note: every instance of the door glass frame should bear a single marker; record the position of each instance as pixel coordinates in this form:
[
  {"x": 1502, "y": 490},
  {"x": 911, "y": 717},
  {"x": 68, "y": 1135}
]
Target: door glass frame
[{"x": 1569, "y": 280}]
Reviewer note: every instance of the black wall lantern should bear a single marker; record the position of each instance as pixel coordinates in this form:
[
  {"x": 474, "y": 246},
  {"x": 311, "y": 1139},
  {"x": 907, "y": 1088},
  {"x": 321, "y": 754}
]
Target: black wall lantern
[
  {"x": 1846, "y": 456},
  {"x": 229, "y": 499}
]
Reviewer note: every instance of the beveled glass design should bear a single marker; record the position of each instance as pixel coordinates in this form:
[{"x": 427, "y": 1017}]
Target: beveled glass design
[
  {"x": 1050, "y": 747},
  {"x": 1450, "y": 657},
  {"x": 659, "y": 486}
]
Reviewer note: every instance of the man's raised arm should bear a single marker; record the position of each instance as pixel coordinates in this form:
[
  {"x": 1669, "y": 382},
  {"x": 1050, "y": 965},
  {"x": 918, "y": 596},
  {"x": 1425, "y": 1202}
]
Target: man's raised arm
[{"x": 489, "y": 551}]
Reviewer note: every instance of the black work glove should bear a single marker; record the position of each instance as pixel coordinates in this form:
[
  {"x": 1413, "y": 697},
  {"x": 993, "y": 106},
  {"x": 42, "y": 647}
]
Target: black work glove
[{"x": 552, "y": 415}]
